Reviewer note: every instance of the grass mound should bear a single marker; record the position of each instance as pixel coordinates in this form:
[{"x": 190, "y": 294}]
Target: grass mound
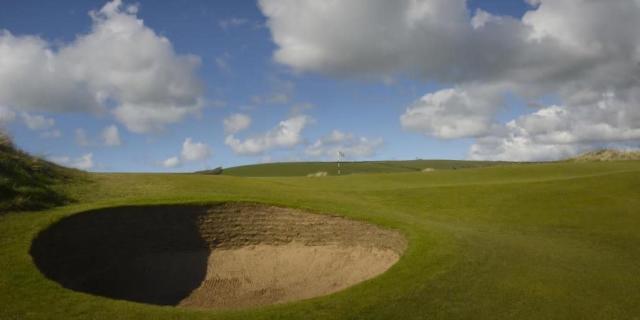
[
  {"x": 608, "y": 155},
  {"x": 28, "y": 182}
]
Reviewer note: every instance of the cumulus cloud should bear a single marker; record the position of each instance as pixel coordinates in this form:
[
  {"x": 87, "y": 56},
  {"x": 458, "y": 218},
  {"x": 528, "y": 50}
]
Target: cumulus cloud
[
  {"x": 441, "y": 40},
  {"x": 84, "y": 162},
  {"x": 111, "y": 136},
  {"x": 286, "y": 134},
  {"x": 350, "y": 146},
  {"x": 559, "y": 131},
  {"x": 453, "y": 113},
  {"x": 194, "y": 151},
  {"x": 171, "y": 162},
  {"x": 344, "y": 38},
  {"x": 120, "y": 66},
  {"x": 576, "y": 52},
  {"x": 236, "y": 123},
  {"x": 37, "y": 122},
  {"x": 32, "y": 77},
  {"x": 191, "y": 152},
  {"x": 40, "y": 123}
]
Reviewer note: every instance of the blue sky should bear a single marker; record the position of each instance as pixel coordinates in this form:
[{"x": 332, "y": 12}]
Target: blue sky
[{"x": 238, "y": 74}]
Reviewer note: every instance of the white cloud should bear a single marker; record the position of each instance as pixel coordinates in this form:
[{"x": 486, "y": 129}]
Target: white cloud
[
  {"x": 37, "y": 122},
  {"x": 441, "y": 40},
  {"x": 32, "y": 77},
  {"x": 194, "y": 151},
  {"x": 453, "y": 113},
  {"x": 81, "y": 137},
  {"x": 557, "y": 132},
  {"x": 351, "y": 146},
  {"x": 344, "y": 37},
  {"x": 84, "y": 162},
  {"x": 191, "y": 151},
  {"x": 120, "y": 65},
  {"x": 171, "y": 162},
  {"x": 573, "y": 52},
  {"x": 286, "y": 134},
  {"x": 111, "y": 136},
  {"x": 236, "y": 123}
]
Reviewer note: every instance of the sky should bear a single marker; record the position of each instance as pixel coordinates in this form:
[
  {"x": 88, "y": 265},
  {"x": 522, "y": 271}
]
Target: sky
[{"x": 168, "y": 86}]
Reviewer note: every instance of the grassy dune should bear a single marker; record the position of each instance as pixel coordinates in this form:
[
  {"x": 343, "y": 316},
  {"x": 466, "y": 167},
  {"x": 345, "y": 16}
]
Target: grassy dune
[
  {"x": 290, "y": 169},
  {"x": 28, "y": 182},
  {"x": 545, "y": 241}
]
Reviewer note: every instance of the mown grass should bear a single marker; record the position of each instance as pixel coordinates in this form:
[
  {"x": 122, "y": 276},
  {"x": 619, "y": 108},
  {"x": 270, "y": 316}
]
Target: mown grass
[
  {"x": 30, "y": 183},
  {"x": 545, "y": 241},
  {"x": 292, "y": 169}
]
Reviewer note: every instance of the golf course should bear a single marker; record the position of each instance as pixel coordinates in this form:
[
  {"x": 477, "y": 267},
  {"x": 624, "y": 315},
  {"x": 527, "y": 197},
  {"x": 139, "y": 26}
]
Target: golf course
[
  {"x": 511, "y": 241},
  {"x": 320, "y": 160}
]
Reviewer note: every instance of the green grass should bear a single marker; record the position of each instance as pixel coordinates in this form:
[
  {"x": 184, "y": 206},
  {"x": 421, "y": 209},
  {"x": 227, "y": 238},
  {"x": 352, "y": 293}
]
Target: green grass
[
  {"x": 30, "y": 183},
  {"x": 292, "y": 169},
  {"x": 544, "y": 241}
]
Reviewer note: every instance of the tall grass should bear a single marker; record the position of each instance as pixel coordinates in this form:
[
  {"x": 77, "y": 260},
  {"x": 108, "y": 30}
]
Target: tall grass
[{"x": 28, "y": 182}]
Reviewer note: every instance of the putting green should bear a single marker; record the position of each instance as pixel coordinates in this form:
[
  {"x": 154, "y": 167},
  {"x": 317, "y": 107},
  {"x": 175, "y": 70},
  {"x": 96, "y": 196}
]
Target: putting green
[{"x": 545, "y": 241}]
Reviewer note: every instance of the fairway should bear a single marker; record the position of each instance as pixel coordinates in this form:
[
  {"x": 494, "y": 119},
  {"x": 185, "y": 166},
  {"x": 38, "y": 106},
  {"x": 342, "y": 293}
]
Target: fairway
[
  {"x": 291, "y": 169},
  {"x": 536, "y": 241}
]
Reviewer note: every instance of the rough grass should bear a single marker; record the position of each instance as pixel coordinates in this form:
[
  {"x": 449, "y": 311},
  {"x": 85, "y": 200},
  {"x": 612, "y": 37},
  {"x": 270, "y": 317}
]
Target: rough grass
[
  {"x": 29, "y": 183},
  {"x": 608, "y": 155},
  {"x": 545, "y": 241},
  {"x": 301, "y": 169}
]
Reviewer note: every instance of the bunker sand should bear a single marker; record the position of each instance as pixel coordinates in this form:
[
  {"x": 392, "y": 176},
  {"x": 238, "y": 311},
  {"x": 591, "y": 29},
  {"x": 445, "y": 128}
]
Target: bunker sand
[{"x": 231, "y": 255}]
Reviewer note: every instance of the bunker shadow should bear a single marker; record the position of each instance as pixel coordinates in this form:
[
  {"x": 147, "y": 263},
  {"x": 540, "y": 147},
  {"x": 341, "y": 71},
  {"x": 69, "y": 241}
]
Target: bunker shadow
[{"x": 149, "y": 254}]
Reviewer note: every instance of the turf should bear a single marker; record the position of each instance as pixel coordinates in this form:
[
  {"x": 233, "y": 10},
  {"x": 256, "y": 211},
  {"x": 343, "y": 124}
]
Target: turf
[
  {"x": 291, "y": 169},
  {"x": 543, "y": 241}
]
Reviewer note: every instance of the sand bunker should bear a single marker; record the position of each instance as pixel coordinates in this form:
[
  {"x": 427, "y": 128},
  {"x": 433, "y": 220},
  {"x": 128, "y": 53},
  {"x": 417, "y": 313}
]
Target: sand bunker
[{"x": 229, "y": 255}]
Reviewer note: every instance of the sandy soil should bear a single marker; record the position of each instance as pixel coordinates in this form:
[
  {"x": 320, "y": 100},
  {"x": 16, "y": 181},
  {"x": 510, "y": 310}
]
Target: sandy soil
[{"x": 231, "y": 255}]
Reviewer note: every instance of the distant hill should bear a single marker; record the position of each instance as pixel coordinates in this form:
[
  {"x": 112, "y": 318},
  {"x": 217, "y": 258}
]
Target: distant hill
[
  {"x": 215, "y": 172},
  {"x": 28, "y": 182},
  {"x": 608, "y": 155},
  {"x": 291, "y": 169}
]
